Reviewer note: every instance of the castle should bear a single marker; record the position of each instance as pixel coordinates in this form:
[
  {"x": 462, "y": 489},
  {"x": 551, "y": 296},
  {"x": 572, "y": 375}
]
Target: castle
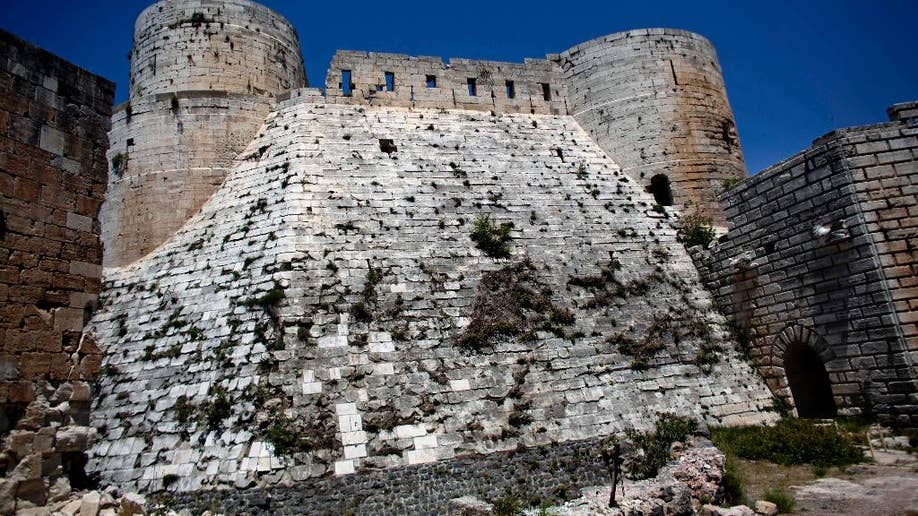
[{"x": 429, "y": 275}]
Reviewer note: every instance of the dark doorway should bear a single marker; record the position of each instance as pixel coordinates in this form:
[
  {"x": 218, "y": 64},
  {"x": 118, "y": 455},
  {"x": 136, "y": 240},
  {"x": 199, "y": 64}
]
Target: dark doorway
[
  {"x": 661, "y": 190},
  {"x": 809, "y": 382}
]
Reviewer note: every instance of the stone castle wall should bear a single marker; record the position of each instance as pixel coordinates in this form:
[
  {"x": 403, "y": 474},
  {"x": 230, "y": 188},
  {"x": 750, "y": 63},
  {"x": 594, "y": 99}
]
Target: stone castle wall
[
  {"x": 822, "y": 252},
  {"x": 320, "y": 298},
  {"x": 654, "y": 100},
  {"x": 204, "y": 74},
  {"x": 449, "y": 89},
  {"x": 197, "y": 136},
  {"x": 53, "y": 120},
  {"x": 219, "y": 45}
]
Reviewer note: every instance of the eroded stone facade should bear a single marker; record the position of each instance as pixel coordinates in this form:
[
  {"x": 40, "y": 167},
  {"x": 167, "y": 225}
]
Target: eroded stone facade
[
  {"x": 822, "y": 254},
  {"x": 204, "y": 74},
  {"x": 655, "y": 101},
  {"x": 53, "y": 121},
  {"x": 323, "y": 293}
]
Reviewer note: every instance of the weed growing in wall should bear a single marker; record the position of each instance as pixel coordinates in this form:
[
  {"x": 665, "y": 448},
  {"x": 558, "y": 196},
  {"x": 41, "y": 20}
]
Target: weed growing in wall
[
  {"x": 696, "y": 230},
  {"x": 119, "y": 164},
  {"x": 511, "y": 302},
  {"x": 651, "y": 449},
  {"x": 491, "y": 239}
]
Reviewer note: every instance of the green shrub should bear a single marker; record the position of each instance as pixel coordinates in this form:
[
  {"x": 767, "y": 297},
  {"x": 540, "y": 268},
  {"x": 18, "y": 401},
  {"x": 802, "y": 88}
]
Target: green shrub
[
  {"x": 655, "y": 445},
  {"x": 493, "y": 240},
  {"x": 286, "y": 438},
  {"x": 119, "y": 161},
  {"x": 790, "y": 442},
  {"x": 507, "y": 505},
  {"x": 697, "y": 230},
  {"x": 781, "y": 498}
]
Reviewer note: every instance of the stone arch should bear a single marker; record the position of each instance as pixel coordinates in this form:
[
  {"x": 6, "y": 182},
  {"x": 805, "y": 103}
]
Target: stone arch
[{"x": 798, "y": 358}]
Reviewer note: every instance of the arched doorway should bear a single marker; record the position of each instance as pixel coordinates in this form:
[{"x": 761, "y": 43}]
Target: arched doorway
[
  {"x": 808, "y": 382},
  {"x": 661, "y": 190}
]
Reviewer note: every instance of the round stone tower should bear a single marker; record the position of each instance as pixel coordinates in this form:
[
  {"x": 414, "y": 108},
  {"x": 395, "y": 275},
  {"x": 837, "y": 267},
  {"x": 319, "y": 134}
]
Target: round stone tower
[
  {"x": 204, "y": 74},
  {"x": 654, "y": 100}
]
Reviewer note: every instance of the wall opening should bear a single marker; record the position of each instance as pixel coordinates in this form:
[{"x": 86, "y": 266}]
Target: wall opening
[
  {"x": 511, "y": 90},
  {"x": 390, "y": 81},
  {"x": 809, "y": 382},
  {"x": 546, "y": 91},
  {"x": 661, "y": 189},
  {"x": 387, "y": 145},
  {"x": 473, "y": 87},
  {"x": 346, "y": 86},
  {"x": 431, "y": 81}
]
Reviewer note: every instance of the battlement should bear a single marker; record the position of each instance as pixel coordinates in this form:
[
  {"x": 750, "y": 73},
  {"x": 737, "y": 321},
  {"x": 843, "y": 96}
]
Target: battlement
[{"x": 534, "y": 86}]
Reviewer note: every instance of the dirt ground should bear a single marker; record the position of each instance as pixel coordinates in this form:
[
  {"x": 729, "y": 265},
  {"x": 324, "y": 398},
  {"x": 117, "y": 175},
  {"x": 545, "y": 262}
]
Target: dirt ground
[{"x": 887, "y": 486}]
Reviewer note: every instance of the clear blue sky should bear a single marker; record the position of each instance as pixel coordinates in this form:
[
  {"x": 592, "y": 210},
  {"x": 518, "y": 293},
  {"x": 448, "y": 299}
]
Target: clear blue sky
[{"x": 794, "y": 70}]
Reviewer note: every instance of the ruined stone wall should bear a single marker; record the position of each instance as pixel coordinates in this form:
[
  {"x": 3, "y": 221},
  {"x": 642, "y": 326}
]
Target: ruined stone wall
[
  {"x": 312, "y": 319},
  {"x": 204, "y": 74},
  {"x": 53, "y": 122},
  {"x": 654, "y": 100},
  {"x": 451, "y": 90},
  {"x": 220, "y": 45},
  {"x": 822, "y": 251}
]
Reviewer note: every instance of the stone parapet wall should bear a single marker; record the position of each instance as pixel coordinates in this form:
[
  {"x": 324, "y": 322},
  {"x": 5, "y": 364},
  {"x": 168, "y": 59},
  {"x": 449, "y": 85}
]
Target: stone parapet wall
[
  {"x": 549, "y": 473},
  {"x": 822, "y": 251},
  {"x": 654, "y": 100},
  {"x": 53, "y": 122},
  {"x": 410, "y": 83},
  {"x": 220, "y": 45},
  {"x": 170, "y": 150}
]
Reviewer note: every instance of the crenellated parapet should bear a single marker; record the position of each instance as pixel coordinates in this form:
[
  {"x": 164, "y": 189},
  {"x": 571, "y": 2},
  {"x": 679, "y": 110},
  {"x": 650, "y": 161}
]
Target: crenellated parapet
[{"x": 534, "y": 86}]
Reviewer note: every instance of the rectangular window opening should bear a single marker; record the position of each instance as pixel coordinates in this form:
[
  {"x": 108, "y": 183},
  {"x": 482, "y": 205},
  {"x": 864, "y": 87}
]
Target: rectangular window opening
[
  {"x": 431, "y": 81},
  {"x": 511, "y": 90},
  {"x": 473, "y": 87},
  {"x": 546, "y": 91},
  {"x": 346, "y": 86},
  {"x": 390, "y": 81}
]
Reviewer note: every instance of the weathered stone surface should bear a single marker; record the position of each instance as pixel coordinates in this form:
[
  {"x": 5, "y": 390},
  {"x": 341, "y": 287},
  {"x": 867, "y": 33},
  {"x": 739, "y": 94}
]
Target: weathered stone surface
[
  {"x": 313, "y": 206},
  {"x": 847, "y": 292},
  {"x": 655, "y": 101},
  {"x": 204, "y": 76},
  {"x": 53, "y": 122},
  {"x": 469, "y": 506},
  {"x": 91, "y": 504},
  {"x": 713, "y": 510},
  {"x": 765, "y": 508}
]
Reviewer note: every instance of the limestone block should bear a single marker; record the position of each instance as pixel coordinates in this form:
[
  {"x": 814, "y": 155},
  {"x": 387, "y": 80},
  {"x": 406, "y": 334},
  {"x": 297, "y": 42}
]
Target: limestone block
[{"x": 765, "y": 508}]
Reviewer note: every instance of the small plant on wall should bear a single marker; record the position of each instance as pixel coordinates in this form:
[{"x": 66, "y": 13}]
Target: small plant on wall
[
  {"x": 697, "y": 230},
  {"x": 119, "y": 163},
  {"x": 492, "y": 239}
]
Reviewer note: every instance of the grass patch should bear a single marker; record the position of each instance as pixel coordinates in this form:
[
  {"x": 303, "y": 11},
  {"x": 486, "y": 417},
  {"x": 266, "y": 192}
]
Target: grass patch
[
  {"x": 733, "y": 485},
  {"x": 790, "y": 442},
  {"x": 781, "y": 498}
]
